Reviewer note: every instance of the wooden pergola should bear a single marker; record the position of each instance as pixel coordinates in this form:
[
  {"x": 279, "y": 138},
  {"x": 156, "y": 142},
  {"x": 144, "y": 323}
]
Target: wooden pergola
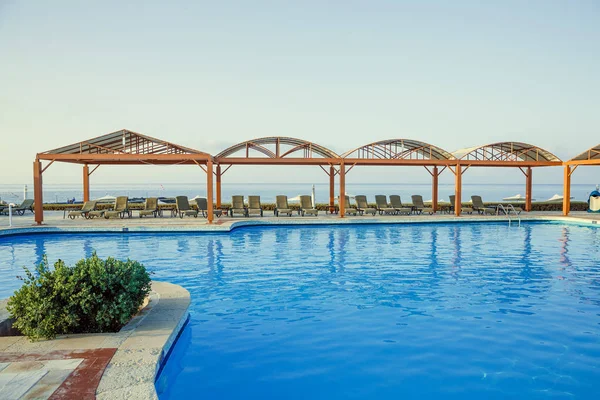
[
  {"x": 119, "y": 148},
  {"x": 588, "y": 157},
  {"x": 503, "y": 154},
  {"x": 397, "y": 152},
  {"x": 277, "y": 150},
  {"x": 129, "y": 148}
]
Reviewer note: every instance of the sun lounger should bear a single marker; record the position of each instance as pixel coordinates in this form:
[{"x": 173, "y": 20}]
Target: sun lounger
[
  {"x": 254, "y": 206},
  {"x": 150, "y": 208},
  {"x": 120, "y": 209},
  {"x": 306, "y": 207},
  {"x": 281, "y": 206},
  {"x": 362, "y": 206},
  {"x": 237, "y": 206},
  {"x": 396, "y": 204},
  {"x": 382, "y": 205},
  {"x": 467, "y": 210},
  {"x": 95, "y": 214},
  {"x": 348, "y": 209},
  {"x": 183, "y": 207},
  {"x": 418, "y": 205},
  {"x": 480, "y": 207},
  {"x": 27, "y": 204},
  {"x": 202, "y": 204},
  {"x": 87, "y": 207}
]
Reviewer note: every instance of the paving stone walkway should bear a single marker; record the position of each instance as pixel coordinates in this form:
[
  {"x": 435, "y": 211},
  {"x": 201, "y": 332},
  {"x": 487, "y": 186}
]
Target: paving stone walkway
[{"x": 52, "y": 375}]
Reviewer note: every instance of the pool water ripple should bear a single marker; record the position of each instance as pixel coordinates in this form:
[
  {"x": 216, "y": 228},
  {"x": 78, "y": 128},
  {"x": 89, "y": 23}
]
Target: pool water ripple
[{"x": 465, "y": 311}]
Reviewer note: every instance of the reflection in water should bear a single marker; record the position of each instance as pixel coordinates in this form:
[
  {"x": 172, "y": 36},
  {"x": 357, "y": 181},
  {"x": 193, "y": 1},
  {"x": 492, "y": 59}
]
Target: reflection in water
[
  {"x": 331, "y": 248},
  {"x": 123, "y": 244},
  {"x": 564, "y": 247},
  {"x": 88, "y": 248},
  {"x": 214, "y": 258},
  {"x": 343, "y": 237},
  {"x": 457, "y": 254},
  {"x": 40, "y": 248},
  {"x": 526, "y": 254},
  {"x": 433, "y": 258},
  {"x": 183, "y": 244}
]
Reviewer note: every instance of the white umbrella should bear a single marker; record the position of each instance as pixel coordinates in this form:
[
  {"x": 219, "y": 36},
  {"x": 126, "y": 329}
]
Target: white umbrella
[
  {"x": 106, "y": 199},
  {"x": 557, "y": 197},
  {"x": 516, "y": 197},
  {"x": 431, "y": 201},
  {"x": 294, "y": 199},
  {"x": 313, "y": 197},
  {"x": 199, "y": 197}
]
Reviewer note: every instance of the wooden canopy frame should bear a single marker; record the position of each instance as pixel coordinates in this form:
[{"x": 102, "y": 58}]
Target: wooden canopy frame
[
  {"x": 125, "y": 147},
  {"x": 122, "y": 147},
  {"x": 502, "y": 154},
  {"x": 277, "y": 150},
  {"x": 395, "y": 152},
  {"x": 589, "y": 157}
]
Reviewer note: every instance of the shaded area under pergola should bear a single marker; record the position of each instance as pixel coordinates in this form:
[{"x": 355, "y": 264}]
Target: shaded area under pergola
[
  {"x": 122, "y": 147},
  {"x": 588, "y": 157},
  {"x": 503, "y": 154}
]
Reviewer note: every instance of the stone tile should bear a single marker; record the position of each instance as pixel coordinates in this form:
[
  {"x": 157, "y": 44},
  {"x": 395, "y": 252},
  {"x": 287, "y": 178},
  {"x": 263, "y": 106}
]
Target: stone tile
[
  {"x": 47, "y": 385},
  {"x": 6, "y": 342},
  {"x": 68, "y": 364},
  {"x": 23, "y": 345},
  {"x": 23, "y": 366},
  {"x": 91, "y": 341},
  {"x": 13, "y": 386}
]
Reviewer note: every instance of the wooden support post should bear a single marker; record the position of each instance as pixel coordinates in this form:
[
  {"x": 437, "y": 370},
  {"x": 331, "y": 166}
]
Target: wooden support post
[
  {"x": 457, "y": 191},
  {"x": 567, "y": 191},
  {"x": 86, "y": 183},
  {"x": 37, "y": 192},
  {"x": 218, "y": 175},
  {"x": 434, "y": 189},
  {"x": 342, "y": 200},
  {"x": 331, "y": 189},
  {"x": 209, "y": 191},
  {"x": 528, "y": 189}
]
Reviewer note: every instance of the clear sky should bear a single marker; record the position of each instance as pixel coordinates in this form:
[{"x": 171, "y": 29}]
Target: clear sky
[{"x": 342, "y": 74}]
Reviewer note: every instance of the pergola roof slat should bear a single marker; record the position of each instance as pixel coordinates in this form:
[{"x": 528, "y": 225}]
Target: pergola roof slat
[
  {"x": 515, "y": 152},
  {"x": 592, "y": 154},
  {"x": 308, "y": 150},
  {"x": 399, "y": 149},
  {"x": 124, "y": 142}
]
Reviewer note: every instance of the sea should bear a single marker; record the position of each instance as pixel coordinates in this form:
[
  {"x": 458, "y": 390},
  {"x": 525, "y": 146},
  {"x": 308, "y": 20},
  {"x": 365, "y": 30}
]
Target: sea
[{"x": 61, "y": 193}]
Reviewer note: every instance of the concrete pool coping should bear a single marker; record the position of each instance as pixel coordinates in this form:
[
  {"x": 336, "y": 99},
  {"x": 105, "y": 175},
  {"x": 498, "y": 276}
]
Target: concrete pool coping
[
  {"x": 165, "y": 225},
  {"x": 139, "y": 350}
]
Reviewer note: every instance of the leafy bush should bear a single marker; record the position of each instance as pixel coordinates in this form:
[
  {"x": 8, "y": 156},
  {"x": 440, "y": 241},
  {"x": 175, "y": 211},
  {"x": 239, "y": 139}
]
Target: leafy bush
[{"x": 93, "y": 296}]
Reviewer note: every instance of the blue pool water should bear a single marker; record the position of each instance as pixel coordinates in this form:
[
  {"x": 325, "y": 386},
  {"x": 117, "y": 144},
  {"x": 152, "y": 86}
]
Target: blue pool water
[{"x": 467, "y": 311}]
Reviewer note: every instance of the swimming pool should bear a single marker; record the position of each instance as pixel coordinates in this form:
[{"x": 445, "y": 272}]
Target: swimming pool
[{"x": 465, "y": 311}]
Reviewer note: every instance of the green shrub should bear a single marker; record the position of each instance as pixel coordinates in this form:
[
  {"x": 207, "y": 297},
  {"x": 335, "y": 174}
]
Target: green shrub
[{"x": 93, "y": 296}]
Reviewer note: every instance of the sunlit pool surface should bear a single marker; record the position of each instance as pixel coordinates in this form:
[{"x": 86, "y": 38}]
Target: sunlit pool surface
[{"x": 465, "y": 311}]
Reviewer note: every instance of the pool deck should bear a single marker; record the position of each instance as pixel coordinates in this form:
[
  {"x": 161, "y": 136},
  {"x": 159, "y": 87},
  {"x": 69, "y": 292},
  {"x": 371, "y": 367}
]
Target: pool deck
[
  {"x": 54, "y": 222},
  {"x": 121, "y": 365},
  {"x": 124, "y": 365}
]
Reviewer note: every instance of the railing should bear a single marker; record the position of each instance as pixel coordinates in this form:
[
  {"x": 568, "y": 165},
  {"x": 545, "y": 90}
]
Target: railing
[{"x": 507, "y": 212}]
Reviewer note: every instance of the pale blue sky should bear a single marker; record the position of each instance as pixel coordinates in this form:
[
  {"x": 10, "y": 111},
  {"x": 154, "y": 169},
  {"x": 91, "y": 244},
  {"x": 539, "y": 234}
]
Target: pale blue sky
[{"x": 210, "y": 74}]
